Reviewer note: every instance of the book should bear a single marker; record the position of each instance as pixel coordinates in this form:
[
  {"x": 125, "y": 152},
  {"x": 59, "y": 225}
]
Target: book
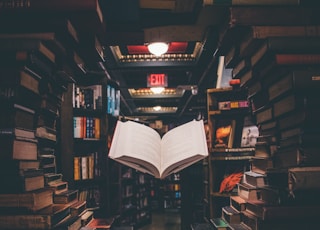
[
  {"x": 294, "y": 102},
  {"x": 252, "y": 2},
  {"x": 100, "y": 223},
  {"x": 297, "y": 81},
  {"x": 284, "y": 48},
  {"x": 142, "y": 148},
  {"x": 78, "y": 208},
  {"x": 288, "y": 32},
  {"x": 65, "y": 197},
  {"x": 266, "y": 211},
  {"x": 46, "y": 133},
  {"x": 300, "y": 118},
  {"x": 303, "y": 178},
  {"x": 17, "y": 116},
  {"x": 19, "y": 77},
  {"x": 261, "y": 164},
  {"x": 219, "y": 223},
  {"x": 46, "y": 218},
  {"x": 33, "y": 201},
  {"x": 292, "y": 156},
  {"x": 255, "y": 179},
  {"x": 230, "y": 215},
  {"x": 288, "y": 16},
  {"x": 22, "y": 181},
  {"x": 237, "y": 203},
  {"x": 18, "y": 148},
  {"x": 86, "y": 217},
  {"x": 240, "y": 226},
  {"x": 18, "y": 132},
  {"x": 264, "y": 149},
  {"x": 36, "y": 7},
  {"x": 58, "y": 186},
  {"x": 248, "y": 192}
]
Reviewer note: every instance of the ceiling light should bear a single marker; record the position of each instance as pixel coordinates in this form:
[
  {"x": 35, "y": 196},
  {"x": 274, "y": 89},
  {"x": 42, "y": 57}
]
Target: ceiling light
[
  {"x": 157, "y": 108},
  {"x": 158, "y": 48},
  {"x": 157, "y": 90}
]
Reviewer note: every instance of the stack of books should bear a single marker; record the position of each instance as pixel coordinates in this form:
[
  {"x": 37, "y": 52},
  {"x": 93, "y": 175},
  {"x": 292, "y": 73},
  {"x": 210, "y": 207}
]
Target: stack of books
[{"x": 277, "y": 61}]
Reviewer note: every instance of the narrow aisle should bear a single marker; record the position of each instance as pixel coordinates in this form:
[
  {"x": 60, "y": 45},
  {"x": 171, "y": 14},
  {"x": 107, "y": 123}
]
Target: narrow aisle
[{"x": 167, "y": 220}]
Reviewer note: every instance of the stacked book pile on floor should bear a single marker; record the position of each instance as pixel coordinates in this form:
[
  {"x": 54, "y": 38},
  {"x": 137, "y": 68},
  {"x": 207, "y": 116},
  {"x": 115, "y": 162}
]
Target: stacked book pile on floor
[
  {"x": 37, "y": 62},
  {"x": 277, "y": 61}
]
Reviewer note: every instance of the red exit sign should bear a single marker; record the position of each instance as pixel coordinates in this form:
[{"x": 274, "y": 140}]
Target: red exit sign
[{"x": 157, "y": 80}]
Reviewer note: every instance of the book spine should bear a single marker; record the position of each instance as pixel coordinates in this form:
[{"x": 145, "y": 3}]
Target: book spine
[
  {"x": 76, "y": 168},
  {"x": 250, "y": 2},
  {"x": 261, "y": 32},
  {"x": 296, "y": 59}
]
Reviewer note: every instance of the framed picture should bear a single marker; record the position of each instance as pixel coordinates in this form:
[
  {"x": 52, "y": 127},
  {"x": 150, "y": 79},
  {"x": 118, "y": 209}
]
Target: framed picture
[
  {"x": 249, "y": 136},
  {"x": 224, "y": 133}
]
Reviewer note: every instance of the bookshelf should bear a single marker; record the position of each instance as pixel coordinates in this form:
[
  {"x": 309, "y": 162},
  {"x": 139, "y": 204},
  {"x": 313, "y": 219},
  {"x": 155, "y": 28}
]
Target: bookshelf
[
  {"x": 130, "y": 196},
  {"x": 84, "y": 142},
  {"x": 228, "y": 110}
]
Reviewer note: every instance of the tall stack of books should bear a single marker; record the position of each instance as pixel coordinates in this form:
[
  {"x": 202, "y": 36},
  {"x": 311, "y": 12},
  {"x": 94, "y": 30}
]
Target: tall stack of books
[
  {"x": 277, "y": 61},
  {"x": 33, "y": 194}
]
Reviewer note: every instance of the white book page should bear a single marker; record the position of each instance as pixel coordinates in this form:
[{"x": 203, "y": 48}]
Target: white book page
[
  {"x": 136, "y": 140},
  {"x": 182, "y": 142}
]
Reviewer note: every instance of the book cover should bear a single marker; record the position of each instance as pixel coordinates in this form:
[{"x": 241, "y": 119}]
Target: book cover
[
  {"x": 219, "y": 223},
  {"x": 141, "y": 147}
]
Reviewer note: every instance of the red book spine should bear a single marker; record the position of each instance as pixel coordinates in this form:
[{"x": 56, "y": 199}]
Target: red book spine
[{"x": 290, "y": 59}]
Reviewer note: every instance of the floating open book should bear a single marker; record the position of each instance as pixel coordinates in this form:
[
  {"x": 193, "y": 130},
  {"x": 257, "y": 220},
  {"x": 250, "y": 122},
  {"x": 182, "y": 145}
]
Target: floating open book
[{"x": 141, "y": 147}]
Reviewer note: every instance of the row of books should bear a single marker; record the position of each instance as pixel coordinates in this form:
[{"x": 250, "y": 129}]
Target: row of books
[
  {"x": 86, "y": 167},
  {"x": 87, "y": 97},
  {"x": 86, "y": 127},
  {"x": 113, "y": 100}
]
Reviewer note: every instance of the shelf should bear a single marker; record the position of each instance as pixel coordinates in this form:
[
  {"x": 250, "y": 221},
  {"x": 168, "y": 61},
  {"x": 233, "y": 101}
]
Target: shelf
[{"x": 217, "y": 194}]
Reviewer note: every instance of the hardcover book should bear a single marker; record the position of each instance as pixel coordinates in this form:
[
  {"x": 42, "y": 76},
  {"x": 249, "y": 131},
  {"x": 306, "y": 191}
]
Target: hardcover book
[
  {"x": 230, "y": 215},
  {"x": 65, "y": 197},
  {"x": 142, "y": 148},
  {"x": 248, "y": 192},
  {"x": 237, "y": 203},
  {"x": 33, "y": 201},
  {"x": 46, "y": 218},
  {"x": 219, "y": 224},
  {"x": 255, "y": 179}
]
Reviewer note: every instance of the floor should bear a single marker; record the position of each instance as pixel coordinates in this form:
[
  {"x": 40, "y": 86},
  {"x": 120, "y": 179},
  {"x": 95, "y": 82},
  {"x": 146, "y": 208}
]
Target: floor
[{"x": 168, "y": 220}]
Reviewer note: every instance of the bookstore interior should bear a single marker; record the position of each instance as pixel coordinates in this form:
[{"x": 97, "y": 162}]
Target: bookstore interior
[{"x": 118, "y": 110}]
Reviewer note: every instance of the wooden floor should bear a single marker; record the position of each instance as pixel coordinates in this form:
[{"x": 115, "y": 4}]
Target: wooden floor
[{"x": 167, "y": 220}]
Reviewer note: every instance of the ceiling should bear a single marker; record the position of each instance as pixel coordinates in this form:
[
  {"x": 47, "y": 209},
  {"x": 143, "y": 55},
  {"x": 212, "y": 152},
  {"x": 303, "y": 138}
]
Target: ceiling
[{"x": 190, "y": 29}]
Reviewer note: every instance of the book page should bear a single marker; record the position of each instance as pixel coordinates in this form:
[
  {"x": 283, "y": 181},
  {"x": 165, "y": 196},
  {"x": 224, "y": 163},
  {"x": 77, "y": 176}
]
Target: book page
[
  {"x": 138, "y": 141},
  {"x": 183, "y": 146}
]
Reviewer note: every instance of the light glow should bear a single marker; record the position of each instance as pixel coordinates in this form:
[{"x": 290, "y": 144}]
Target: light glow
[
  {"x": 158, "y": 48},
  {"x": 157, "y": 90}
]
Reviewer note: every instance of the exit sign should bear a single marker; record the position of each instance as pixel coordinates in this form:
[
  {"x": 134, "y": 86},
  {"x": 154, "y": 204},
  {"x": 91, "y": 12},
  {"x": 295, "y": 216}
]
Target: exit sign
[{"x": 157, "y": 80}]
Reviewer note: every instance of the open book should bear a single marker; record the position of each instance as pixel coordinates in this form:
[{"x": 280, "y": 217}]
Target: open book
[{"x": 141, "y": 147}]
